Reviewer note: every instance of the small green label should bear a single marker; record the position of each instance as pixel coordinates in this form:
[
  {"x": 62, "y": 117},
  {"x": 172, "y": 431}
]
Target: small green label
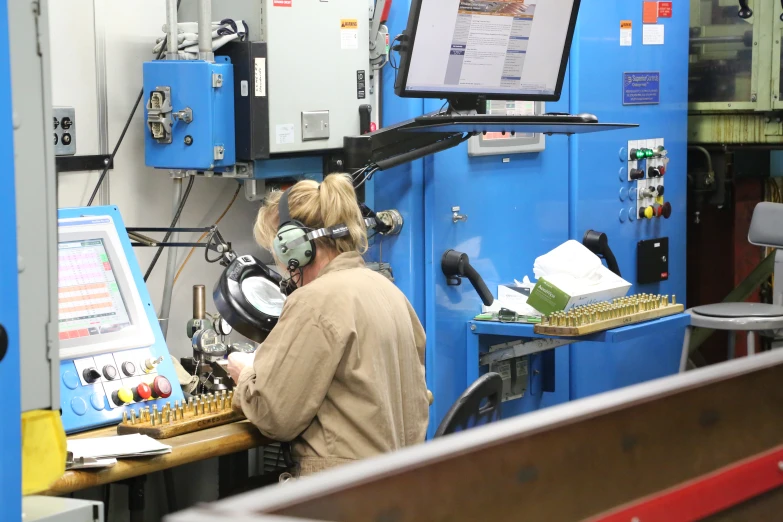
[
  {"x": 113, "y": 287},
  {"x": 104, "y": 258},
  {"x": 547, "y": 298}
]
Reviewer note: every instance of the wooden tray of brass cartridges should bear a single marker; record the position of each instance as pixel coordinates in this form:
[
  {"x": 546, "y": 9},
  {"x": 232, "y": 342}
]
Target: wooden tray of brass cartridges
[
  {"x": 198, "y": 413},
  {"x": 584, "y": 320}
]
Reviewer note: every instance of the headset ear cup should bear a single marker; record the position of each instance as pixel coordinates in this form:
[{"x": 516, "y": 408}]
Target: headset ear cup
[{"x": 301, "y": 254}]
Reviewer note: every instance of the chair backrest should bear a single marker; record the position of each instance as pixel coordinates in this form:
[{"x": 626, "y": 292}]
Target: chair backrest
[
  {"x": 766, "y": 226},
  {"x": 471, "y": 409}
]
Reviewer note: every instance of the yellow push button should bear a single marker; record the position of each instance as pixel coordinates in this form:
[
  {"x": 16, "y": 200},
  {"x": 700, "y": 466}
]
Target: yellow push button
[
  {"x": 122, "y": 396},
  {"x": 649, "y": 212}
]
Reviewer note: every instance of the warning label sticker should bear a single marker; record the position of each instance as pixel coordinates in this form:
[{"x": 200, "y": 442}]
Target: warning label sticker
[
  {"x": 282, "y": 3},
  {"x": 626, "y": 33},
  {"x": 349, "y": 33}
]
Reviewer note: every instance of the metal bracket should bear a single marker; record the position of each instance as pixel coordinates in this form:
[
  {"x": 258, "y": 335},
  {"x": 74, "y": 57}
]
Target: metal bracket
[
  {"x": 219, "y": 152},
  {"x": 520, "y": 349},
  {"x": 83, "y": 163},
  {"x": 217, "y": 80}
]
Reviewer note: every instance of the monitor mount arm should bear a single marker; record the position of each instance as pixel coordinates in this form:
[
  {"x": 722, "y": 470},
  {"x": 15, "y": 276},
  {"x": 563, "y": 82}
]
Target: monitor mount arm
[{"x": 378, "y": 33}]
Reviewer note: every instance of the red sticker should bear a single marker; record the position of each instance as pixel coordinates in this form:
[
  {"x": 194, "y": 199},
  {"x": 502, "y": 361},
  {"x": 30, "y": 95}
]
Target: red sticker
[
  {"x": 664, "y": 9},
  {"x": 650, "y": 13},
  {"x": 282, "y": 3}
]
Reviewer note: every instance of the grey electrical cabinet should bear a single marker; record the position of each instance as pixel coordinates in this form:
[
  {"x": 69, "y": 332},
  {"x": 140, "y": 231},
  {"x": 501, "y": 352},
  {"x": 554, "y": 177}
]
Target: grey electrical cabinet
[{"x": 316, "y": 70}]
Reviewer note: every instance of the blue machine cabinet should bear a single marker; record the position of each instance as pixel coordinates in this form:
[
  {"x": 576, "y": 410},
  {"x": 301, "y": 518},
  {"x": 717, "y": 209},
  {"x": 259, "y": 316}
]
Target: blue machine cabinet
[
  {"x": 10, "y": 402},
  {"x": 521, "y": 206},
  {"x": 189, "y": 114},
  {"x": 87, "y": 405}
]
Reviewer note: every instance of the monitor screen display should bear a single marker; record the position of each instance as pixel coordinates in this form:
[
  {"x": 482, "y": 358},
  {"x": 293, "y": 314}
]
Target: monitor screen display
[
  {"x": 90, "y": 301},
  {"x": 502, "y": 49}
]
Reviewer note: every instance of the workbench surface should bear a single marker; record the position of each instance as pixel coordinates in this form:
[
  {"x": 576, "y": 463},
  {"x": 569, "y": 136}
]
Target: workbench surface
[{"x": 187, "y": 448}]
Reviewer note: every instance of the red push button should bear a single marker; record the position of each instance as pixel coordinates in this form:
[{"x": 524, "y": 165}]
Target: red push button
[
  {"x": 161, "y": 387},
  {"x": 142, "y": 392}
]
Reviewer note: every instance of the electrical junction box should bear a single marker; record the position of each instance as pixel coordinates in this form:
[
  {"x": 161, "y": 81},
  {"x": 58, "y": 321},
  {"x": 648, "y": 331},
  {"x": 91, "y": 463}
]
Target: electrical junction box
[
  {"x": 317, "y": 62},
  {"x": 189, "y": 114},
  {"x": 498, "y": 143},
  {"x": 652, "y": 261}
]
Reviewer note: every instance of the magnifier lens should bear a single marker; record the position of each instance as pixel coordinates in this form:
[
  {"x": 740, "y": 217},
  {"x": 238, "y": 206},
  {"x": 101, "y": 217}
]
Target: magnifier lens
[{"x": 264, "y": 295}]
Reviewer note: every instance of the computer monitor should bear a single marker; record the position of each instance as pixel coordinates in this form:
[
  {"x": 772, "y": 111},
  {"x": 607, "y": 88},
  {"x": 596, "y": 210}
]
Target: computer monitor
[
  {"x": 100, "y": 309},
  {"x": 498, "y": 49}
]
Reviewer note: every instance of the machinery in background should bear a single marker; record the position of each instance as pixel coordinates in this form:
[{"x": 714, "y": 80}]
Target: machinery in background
[
  {"x": 189, "y": 104},
  {"x": 523, "y": 205},
  {"x": 229, "y": 109},
  {"x": 735, "y": 94},
  {"x": 112, "y": 351}
]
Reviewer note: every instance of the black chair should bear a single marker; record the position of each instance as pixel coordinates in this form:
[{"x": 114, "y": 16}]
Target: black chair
[{"x": 471, "y": 409}]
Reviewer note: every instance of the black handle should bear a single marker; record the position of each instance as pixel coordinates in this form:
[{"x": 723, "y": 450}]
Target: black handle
[
  {"x": 744, "y": 11},
  {"x": 365, "y": 119},
  {"x": 598, "y": 244},
  {"x": 456, "y": 264},
  {"x": 3, "y": 342}
]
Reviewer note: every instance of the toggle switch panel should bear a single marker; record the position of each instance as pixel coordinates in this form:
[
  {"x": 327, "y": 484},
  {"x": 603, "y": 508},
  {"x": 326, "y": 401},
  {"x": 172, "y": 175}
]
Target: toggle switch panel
[
  {"x": 647, "y": 164},
  {"x": 64, "y": 131}
]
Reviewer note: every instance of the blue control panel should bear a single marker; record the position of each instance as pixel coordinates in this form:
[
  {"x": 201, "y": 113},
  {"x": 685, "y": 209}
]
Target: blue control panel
[
  {"x": 112, "y": 353},
  {"x": 189, "y": 114}
]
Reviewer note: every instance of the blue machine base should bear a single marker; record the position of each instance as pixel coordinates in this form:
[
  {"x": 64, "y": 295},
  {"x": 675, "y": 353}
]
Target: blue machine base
[{"x": 82, "y": 407}]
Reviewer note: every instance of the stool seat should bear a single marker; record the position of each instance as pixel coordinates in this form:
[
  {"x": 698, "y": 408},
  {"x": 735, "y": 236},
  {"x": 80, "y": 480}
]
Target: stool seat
[{"x": 738, "y": 310}]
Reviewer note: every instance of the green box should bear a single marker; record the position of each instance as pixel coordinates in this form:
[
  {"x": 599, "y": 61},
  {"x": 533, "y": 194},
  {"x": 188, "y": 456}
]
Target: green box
[{"x": 547, "y": 298}]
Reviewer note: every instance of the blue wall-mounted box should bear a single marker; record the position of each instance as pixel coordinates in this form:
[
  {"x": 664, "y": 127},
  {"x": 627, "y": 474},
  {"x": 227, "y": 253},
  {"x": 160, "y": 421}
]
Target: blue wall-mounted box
[{"x": 189, "y": 114}]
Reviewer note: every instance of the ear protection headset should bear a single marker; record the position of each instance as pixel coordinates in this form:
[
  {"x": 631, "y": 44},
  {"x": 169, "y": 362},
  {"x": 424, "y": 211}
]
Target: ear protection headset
[{"x": 293, "y": 244}]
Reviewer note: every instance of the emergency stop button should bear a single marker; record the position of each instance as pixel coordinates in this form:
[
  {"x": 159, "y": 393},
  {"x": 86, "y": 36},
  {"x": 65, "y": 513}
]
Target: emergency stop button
[
  {"x": 142, "y": 392},
  {"x": 161, "y": 387}
]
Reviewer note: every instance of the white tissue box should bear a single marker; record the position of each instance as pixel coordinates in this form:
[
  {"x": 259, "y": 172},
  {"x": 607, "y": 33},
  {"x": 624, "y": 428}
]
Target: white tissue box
[{"x": 548, "y": 297}]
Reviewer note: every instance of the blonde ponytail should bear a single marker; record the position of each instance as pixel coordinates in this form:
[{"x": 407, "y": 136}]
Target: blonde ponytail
[
  {"x": 339, "y": 205},
  {"x": 333, "y": 202}
]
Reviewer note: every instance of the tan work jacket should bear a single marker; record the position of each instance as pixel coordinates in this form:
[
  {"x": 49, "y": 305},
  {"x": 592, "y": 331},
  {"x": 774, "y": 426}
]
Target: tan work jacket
[{"x": 342, "y": 372}]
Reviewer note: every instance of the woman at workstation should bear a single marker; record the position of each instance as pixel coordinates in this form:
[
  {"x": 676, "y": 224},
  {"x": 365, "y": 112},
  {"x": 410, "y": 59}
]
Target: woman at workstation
[{"x": 341, "y": 375}]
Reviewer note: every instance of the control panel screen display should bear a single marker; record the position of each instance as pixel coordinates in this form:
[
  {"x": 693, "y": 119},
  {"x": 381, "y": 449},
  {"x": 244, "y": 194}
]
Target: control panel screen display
[
  {"x": 513, "y": 47},
  {"x": 90, "y": 301}
]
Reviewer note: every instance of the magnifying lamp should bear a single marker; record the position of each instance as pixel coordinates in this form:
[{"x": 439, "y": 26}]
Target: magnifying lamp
[{"x": 248, "y": 297}]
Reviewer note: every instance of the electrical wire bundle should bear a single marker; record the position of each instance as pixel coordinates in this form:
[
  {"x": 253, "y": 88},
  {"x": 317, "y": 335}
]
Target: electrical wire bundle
[{"x": 365, "y": 174}]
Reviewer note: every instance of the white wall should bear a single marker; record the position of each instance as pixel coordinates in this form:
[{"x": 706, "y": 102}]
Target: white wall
[{"x": 143, "y": 195}]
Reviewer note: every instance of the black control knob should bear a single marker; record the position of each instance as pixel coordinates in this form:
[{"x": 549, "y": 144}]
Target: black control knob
[
  {"x": 659, "y": 190},
  {"x": 128, "y": 368},
  {"x": 666, "y": 210},
  {"x": 91, "y": 375},
  {"x": 637, "y": 174},
  {"x": 653, "y": 172},
  {"x": 110, "y": 372}
]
